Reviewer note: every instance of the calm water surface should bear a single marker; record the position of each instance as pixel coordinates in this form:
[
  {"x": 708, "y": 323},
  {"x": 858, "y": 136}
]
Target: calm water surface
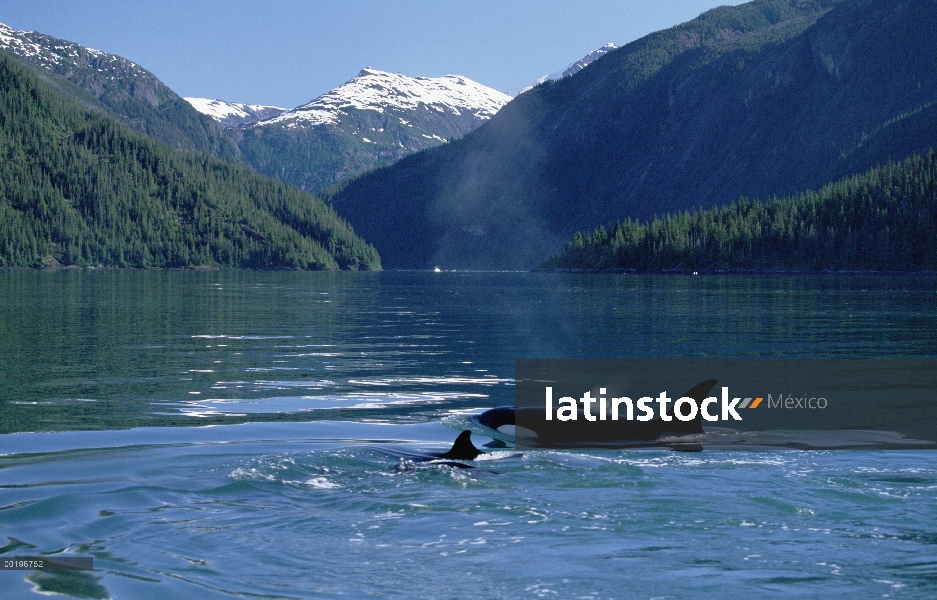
[{"x": 304, "y": 393}]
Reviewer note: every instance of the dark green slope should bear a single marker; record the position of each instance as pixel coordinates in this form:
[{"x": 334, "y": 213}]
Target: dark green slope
[
  {"x": 884, "y": 220},
  {"x": 121, "y": 88},
  {"x": 770, "y": 97},
  {"x": 79, "y": 188}
]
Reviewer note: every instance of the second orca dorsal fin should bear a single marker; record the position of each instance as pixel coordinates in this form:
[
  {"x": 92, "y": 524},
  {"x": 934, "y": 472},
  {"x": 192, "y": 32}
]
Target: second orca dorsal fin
[
  {"x": 697, "y": 393},
  {"x": 700, "y": 390},
  {"x": 463, "y": 448}
]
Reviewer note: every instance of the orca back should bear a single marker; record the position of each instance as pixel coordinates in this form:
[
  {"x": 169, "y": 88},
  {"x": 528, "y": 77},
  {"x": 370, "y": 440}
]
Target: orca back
[{"x": 497, "y": 417}]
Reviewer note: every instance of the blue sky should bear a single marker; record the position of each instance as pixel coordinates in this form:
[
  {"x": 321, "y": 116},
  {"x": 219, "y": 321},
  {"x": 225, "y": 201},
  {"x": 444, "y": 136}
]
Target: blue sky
[{"x": 287, "y": 52}]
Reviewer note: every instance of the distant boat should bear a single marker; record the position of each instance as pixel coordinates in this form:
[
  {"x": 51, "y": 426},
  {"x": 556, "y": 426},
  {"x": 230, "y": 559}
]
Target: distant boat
[{"x": 437, "y": 270}]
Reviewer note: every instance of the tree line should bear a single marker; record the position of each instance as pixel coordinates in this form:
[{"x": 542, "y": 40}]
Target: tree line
[{"x": 883, "y": 220}]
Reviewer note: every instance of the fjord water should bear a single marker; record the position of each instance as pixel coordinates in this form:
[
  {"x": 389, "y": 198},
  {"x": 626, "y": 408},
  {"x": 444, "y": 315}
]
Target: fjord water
[{"x": 227, "y": 433}]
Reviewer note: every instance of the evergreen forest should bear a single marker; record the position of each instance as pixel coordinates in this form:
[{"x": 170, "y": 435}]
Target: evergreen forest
[
  {"x": 79, "y": 188},
  {"x": 883, "y": 220}
]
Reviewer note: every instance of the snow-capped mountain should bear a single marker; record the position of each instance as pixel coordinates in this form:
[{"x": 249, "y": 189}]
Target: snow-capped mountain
[
  {"x": 371, "y": 121},
  {"x": 573, "y": 68},
  {"x": 121, "y": 88},
  {"x": 233, "y": 114},
  {"x": 382, "y": 92}
]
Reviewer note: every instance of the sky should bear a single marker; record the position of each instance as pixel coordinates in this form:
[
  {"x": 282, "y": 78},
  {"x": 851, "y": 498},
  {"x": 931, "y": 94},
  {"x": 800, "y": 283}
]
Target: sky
[{"x": 288, "y": 52}]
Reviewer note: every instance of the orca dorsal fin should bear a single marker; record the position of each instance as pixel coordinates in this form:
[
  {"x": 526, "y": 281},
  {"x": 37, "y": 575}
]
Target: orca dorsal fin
[
  {"x": 463, "y": 448},
  {"x": 697, "y": 393},
  {"x": 700, "y": 390}
]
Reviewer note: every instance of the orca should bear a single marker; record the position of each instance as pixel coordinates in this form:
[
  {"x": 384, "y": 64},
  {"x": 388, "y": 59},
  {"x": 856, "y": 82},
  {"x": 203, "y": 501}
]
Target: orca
[
  {"x": 462, "y": 449},
  {"x": 529, "y": 424}
]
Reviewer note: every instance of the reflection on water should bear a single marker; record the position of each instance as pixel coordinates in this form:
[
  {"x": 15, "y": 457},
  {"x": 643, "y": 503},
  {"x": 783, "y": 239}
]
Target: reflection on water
[
  {"x": 103, "y": 349},
  {"x": 293, "y": 404}
]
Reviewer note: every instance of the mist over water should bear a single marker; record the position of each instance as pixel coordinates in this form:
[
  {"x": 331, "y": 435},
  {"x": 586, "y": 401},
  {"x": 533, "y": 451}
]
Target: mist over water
[
  {"x": 331, "y": 383},
  {"x": 484, "y": 213}
]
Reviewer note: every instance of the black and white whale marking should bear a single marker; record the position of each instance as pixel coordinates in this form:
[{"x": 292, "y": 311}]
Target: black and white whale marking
[{"x": 540, "y": 432}]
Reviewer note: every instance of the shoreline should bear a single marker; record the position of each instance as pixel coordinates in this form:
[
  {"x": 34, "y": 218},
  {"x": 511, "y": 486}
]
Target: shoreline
[
  {"x": 60, "y": 267},
  {"x": 732, "y": 271}
]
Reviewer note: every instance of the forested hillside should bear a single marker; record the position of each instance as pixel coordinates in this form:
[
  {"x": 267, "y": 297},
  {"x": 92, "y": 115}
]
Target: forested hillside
[
  {"x": 766, "y": 98},
  {"x": 79, "y": 188},
  {"x": 884, "y": 220},
  {"x": 122, "y": 89}
]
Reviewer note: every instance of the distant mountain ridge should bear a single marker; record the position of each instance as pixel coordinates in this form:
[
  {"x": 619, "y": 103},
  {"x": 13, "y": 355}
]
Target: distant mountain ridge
[
  {"x": 234, "y": 114},
  {"x": 372, "y": 120},
  {"x": 572, "y": 69},
  {"x": 767, "y": 98},
  {"x": 119, "y": 87},
  {"x": 585, "y": 61}
]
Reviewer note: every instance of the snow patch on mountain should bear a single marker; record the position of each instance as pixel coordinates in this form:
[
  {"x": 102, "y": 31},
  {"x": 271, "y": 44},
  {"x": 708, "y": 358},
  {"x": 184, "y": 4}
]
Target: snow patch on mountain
[
  {"x": 381, "y": 91},
  {"x": 573, "y": 68},
  {"x": 583, "y": 62},
  {"x": 232, "y": 114}
]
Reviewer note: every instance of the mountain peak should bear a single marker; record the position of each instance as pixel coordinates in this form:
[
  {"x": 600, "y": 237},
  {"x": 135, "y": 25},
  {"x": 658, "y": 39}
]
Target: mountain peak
[{"x": 381, "y": 91}]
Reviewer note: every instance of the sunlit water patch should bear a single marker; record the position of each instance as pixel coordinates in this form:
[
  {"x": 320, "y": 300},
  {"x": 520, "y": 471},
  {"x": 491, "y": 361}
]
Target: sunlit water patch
[{"x": 296, "y": 404}]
